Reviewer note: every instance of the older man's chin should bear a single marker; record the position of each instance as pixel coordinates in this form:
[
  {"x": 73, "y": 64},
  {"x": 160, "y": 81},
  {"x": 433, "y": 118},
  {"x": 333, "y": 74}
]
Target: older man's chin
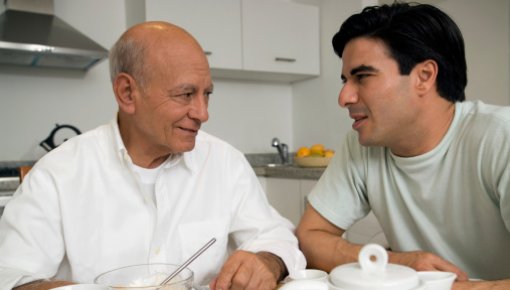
[{"x": 185, "y": 146}]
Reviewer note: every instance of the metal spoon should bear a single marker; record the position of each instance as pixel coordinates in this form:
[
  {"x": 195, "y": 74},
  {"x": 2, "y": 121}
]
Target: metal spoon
[{"x": 185, "y": 264}]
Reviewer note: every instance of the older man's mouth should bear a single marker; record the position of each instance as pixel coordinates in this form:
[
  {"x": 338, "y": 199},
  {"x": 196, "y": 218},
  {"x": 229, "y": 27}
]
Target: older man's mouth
[{"x": 193, "y": 131}]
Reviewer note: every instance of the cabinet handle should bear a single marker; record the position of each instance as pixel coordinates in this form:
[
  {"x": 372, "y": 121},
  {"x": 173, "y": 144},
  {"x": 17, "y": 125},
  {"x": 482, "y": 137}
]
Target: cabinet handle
[
  {"x": 284, "y": 59},
  {"x": 207, "y": 52}
]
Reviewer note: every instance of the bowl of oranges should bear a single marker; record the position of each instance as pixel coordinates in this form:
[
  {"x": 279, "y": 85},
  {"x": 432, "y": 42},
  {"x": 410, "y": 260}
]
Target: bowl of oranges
[{"x": 314, "y": 156}]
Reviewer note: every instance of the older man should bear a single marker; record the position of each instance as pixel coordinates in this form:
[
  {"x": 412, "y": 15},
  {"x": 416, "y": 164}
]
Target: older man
[{"x": 148, "y": 187}]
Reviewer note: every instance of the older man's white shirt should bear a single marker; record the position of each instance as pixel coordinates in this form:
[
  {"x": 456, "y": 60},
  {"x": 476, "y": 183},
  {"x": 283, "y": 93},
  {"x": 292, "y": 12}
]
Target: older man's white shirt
[{"x": 82, "y": 210}]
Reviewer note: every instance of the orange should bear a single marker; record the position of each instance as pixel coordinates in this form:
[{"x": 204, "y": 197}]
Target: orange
[
  {"x": 329, "y": 153},
  {"x": 303, "y": 152},
  {"x": 317, "y": 149}
]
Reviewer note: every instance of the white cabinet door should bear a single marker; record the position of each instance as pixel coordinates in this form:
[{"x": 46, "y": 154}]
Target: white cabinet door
[
  {"x": 306, "y": 188},
  {"x": 280, "y": 36},
  {"x": 288, "y": 196},
  {"x": 215, "y": 24},
  {"x": 284, "y": 196}
]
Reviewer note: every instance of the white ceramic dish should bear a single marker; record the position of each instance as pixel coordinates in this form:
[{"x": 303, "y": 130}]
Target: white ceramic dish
[{"x": 437, "y": 280}]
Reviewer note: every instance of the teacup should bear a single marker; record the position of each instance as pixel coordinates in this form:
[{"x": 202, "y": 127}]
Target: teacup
[{"x": 310, "y": 274}]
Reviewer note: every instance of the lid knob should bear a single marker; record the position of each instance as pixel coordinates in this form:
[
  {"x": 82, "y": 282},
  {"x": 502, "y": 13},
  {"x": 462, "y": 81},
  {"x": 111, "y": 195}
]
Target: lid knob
[{"x": 373, "y": 258}]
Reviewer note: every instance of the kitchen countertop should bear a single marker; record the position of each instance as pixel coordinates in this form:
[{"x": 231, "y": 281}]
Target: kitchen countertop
[
  {"x": 264, "y": 165},
  {"x": 289, "y": 171},
  {"x": 269, "y": 165},
  {"x": 10, "y": 181}
]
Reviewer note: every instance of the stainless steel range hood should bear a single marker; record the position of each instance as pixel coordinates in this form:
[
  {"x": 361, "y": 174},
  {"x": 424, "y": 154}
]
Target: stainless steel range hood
[{"x": 30, "y": 35}]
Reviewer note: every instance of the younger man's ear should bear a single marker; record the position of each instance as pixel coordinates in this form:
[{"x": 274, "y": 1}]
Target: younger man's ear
[
  {"x": 426, "y": 76},
  {"x": 126, "y": 91}
]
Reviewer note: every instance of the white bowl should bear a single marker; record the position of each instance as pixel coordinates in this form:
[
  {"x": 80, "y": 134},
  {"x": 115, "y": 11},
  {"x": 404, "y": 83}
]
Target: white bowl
[{"x": 146, "y": 277}]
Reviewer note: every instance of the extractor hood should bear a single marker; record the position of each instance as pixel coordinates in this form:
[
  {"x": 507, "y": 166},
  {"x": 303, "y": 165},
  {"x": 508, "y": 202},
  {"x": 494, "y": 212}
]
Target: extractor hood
[{"x": 30, "y": 35}]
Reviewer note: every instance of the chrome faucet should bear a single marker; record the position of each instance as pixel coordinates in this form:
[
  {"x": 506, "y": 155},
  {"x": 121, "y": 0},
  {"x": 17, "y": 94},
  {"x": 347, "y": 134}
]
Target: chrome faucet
[{"x": 283, "y": 150}]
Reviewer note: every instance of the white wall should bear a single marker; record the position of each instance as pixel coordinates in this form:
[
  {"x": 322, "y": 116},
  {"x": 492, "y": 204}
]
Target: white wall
[
  {"x": 33, "y": 100},
  {"x": 486, "y": 29},
  {"x": 247, "y": 114},
  {"x": 317, "y": 116}
]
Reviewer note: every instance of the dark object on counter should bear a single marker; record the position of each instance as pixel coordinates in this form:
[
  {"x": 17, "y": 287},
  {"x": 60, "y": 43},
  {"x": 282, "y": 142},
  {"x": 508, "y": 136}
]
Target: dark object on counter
[
  {"x": 49, "y": 143},
  {"x": 9, "y": 172}
]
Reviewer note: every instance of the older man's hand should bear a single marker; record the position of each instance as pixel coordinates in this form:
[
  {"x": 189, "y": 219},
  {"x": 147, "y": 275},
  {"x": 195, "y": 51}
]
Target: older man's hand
[{"x": 245, "y": 270}]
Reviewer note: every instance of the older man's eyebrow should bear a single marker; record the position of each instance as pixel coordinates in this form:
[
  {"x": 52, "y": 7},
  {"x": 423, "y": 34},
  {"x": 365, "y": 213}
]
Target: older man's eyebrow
[{"x": 180, "y": 89}]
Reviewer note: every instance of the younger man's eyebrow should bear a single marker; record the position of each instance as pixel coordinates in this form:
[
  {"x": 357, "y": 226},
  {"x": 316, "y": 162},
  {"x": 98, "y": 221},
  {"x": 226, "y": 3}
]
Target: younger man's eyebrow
[{"x": 361, "y": 68}]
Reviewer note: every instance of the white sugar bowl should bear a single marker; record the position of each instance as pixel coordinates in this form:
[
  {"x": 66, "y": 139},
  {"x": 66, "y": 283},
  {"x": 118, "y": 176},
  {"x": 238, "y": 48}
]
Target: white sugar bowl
[{"x": 373, "y": 272}]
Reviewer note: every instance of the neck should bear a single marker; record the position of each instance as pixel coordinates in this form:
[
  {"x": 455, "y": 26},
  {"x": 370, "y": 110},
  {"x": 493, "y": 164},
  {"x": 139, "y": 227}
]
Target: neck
[
  {"x": 429, "y": 132},
  {"x": 150, "y": 162},
  {"x": 142, "y": 153}
]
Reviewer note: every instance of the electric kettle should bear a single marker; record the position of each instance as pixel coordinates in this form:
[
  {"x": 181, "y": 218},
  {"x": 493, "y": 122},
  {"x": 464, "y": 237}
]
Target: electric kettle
[{"x": 52, "y": 141}]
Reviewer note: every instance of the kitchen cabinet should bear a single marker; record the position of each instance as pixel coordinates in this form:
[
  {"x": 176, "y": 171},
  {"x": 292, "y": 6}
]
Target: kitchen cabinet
[
  {"x": 267, "y": 40},
  {"x": 280, "y": 36},
  {"x": 287, "y": 196},
  {"x": 215, "y": 24}
]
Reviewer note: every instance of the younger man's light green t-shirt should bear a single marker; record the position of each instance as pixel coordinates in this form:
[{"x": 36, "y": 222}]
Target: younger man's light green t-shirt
[{"x": 453, "y": 201}]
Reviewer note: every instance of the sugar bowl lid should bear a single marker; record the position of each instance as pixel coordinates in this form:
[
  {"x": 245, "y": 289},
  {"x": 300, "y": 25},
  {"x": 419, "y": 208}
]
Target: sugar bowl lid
[{"x": 374, "y": 272}]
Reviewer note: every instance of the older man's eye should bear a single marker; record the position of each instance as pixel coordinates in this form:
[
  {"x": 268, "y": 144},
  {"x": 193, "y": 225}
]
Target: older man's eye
[{"x": 185, "y": 95}]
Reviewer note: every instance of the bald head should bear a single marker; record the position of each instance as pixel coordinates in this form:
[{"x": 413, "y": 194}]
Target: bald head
[{"x": 144, "y": 43}]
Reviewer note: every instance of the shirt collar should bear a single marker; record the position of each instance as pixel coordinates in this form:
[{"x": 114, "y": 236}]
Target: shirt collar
[
  {"x": 186, "y": 159},
  {"x": 118, "y": 144}
]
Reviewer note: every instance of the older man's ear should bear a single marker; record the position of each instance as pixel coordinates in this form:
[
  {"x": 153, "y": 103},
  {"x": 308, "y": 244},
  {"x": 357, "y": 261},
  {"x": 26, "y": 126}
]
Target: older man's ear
[{"x": 126, "y": 91}]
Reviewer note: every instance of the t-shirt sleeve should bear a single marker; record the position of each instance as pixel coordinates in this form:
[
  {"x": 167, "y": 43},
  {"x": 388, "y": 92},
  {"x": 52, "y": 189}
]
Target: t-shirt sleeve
[{"x": 340, "y": 194}]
